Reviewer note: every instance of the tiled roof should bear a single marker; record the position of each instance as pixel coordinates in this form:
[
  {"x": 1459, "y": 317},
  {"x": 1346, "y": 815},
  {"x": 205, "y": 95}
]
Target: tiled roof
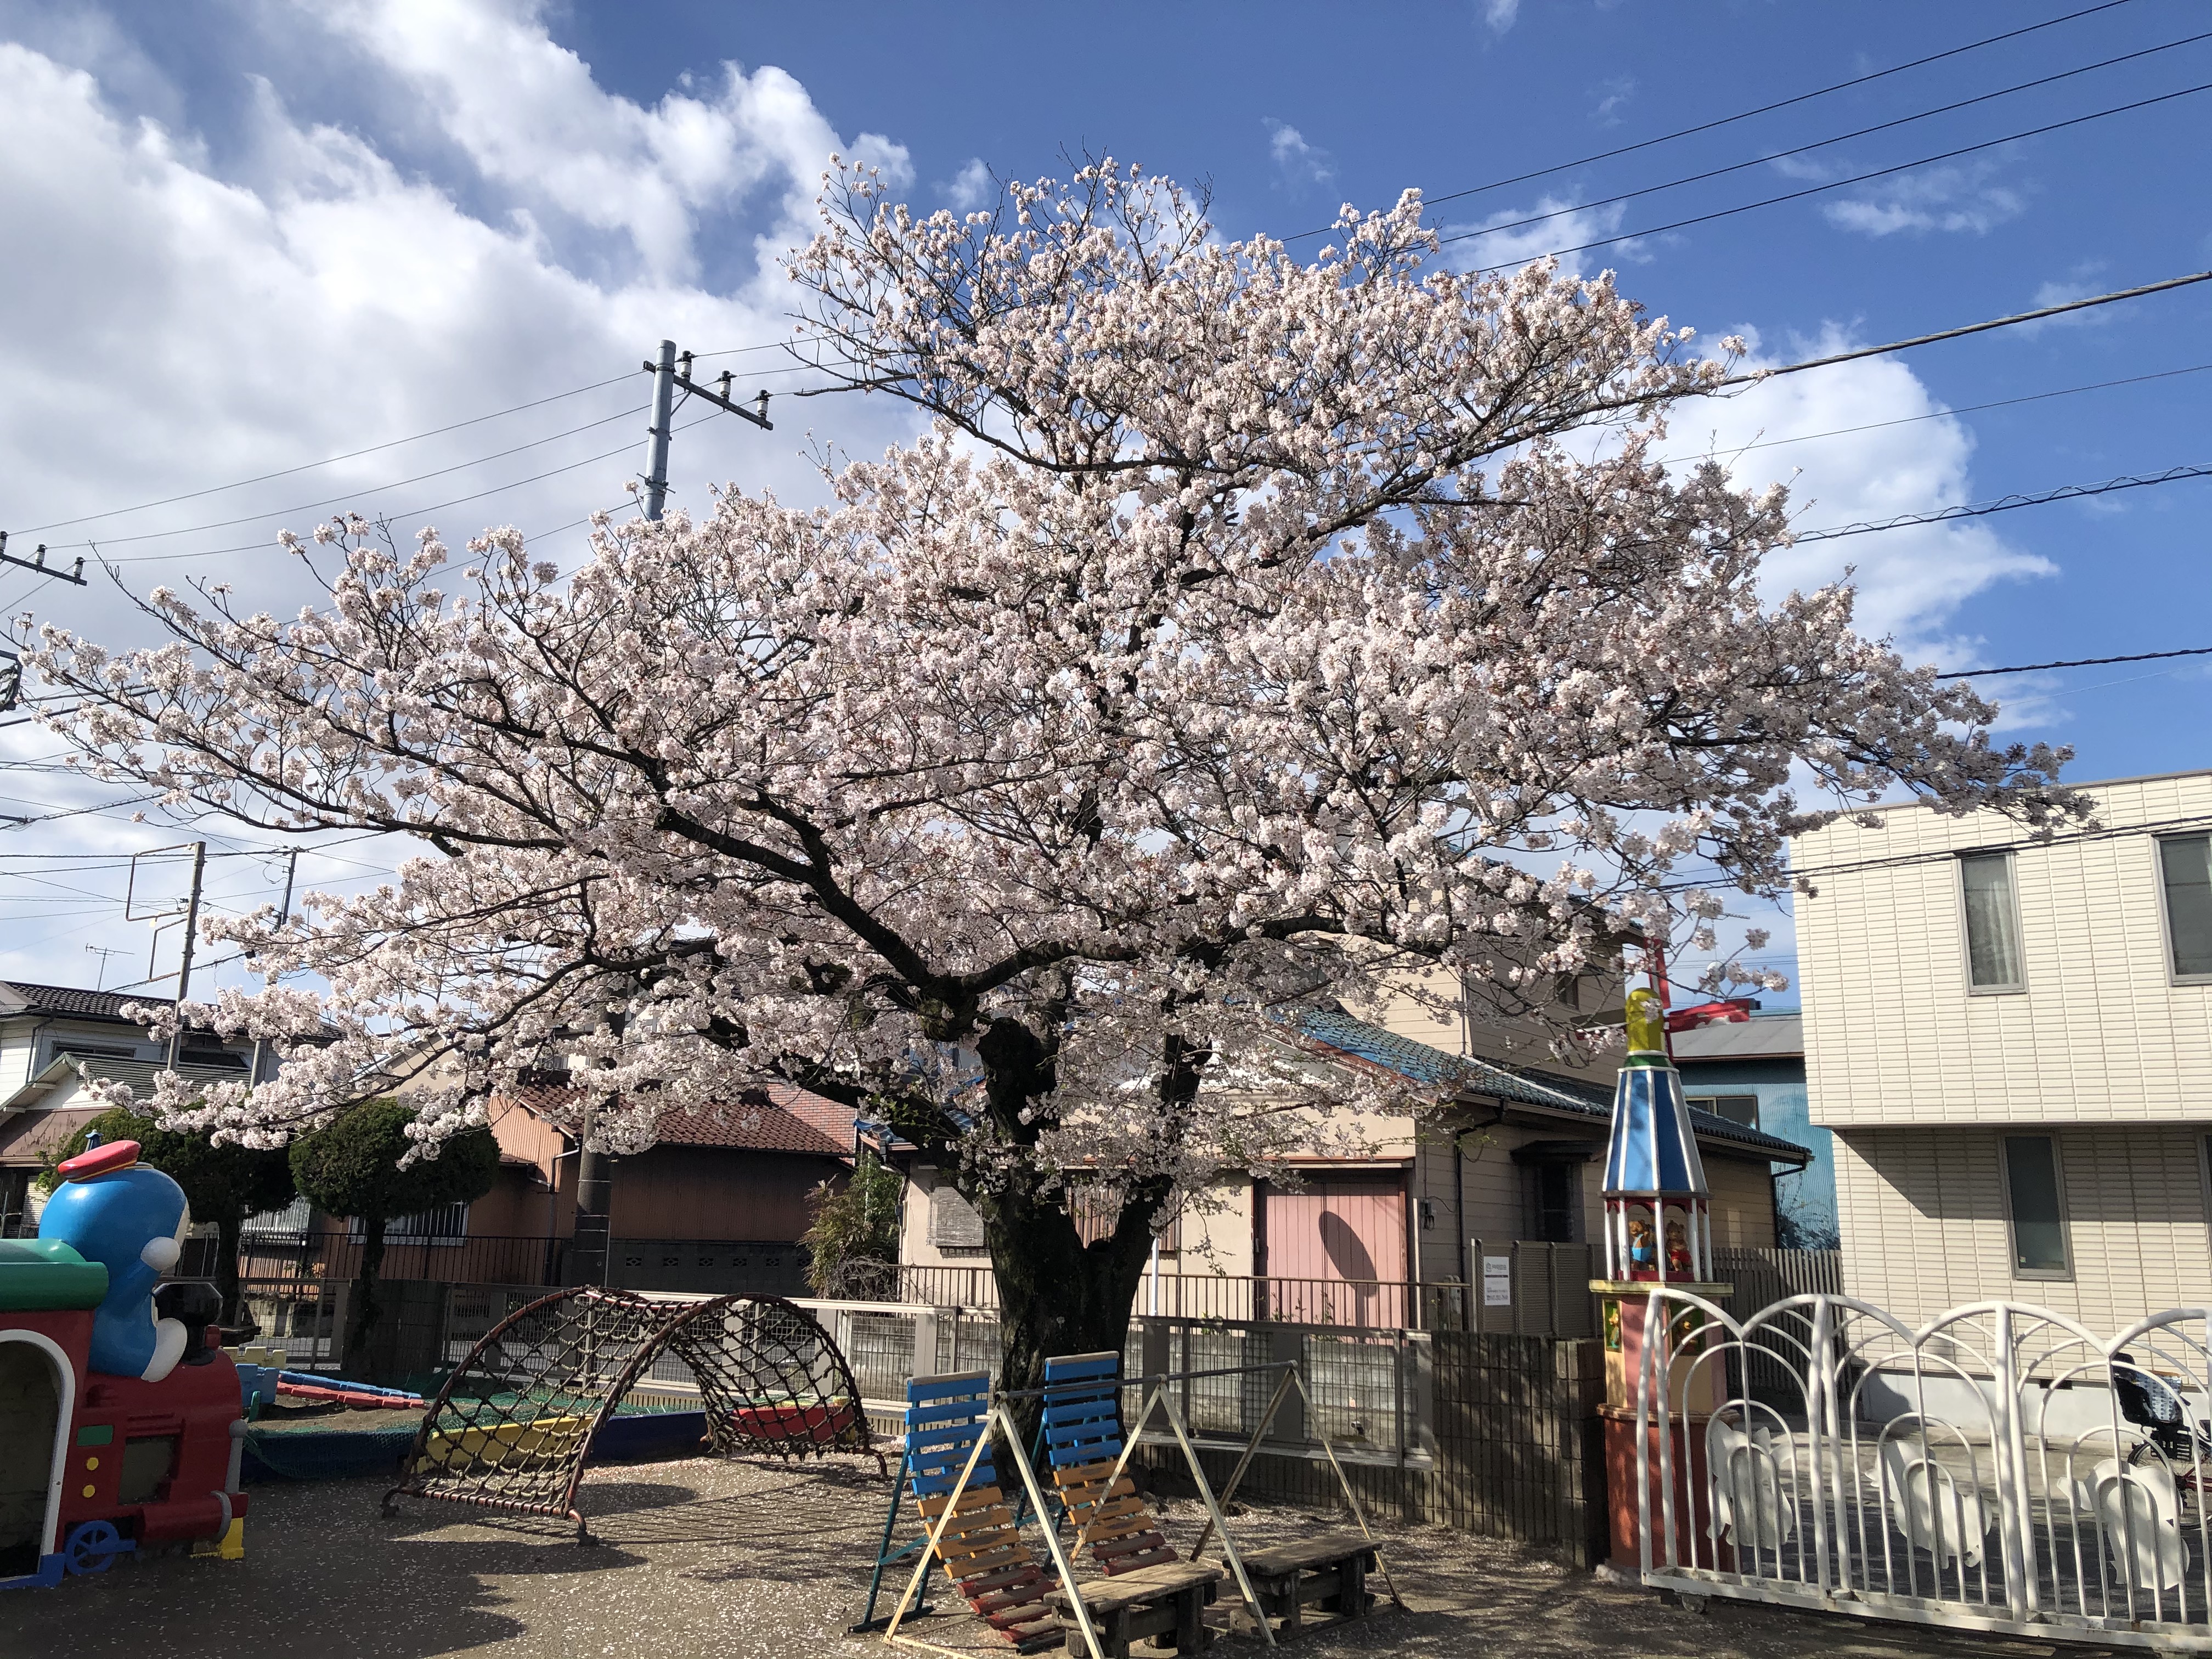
[
  {"x": 1778, "y": 1035},
  {"x": 1523, "y": 1085},
  {"x": 22, "y": 997},
  {"x": 774, "y": 1118}
]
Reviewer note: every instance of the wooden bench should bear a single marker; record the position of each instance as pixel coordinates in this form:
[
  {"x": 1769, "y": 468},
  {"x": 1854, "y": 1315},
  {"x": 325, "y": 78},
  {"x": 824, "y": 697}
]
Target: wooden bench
[
  {"x": 1163, "y": 1601},
  {"x": 1331, "y": 1570}
]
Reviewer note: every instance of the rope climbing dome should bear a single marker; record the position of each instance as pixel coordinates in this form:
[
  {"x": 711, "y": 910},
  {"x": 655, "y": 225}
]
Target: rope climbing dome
[{"x": 512, "y": 1427}]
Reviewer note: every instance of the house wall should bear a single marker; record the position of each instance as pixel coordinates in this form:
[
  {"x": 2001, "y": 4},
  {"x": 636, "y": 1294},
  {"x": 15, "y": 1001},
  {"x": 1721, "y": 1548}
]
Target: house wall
[
  {"x": 1743, "y": 1202},
  {"x": 1400, "y": 1003},
  {"x": 1924, "y": 1226},
  {"x": 1807, "y": 1197},
  {"x": 2098, "y": 1034},
  {"x": 517, "y": 1206},
  {"x": 712, "y": 1193},
  {"x": 1215, "y": 1237},
  {"x": 1495, "y": 1194}
]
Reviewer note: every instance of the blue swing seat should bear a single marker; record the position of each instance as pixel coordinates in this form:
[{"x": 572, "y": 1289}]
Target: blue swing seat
[
  {"x": 982, "y": 1549},
  {"x": 1082, "y": 1437}
]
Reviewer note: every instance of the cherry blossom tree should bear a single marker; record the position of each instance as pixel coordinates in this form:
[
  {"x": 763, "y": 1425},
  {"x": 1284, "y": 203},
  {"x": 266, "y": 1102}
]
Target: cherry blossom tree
[{"x": 1240, "y": 631}]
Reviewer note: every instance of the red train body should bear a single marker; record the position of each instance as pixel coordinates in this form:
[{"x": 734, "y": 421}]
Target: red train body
[{"x": 92, "y": 1466}]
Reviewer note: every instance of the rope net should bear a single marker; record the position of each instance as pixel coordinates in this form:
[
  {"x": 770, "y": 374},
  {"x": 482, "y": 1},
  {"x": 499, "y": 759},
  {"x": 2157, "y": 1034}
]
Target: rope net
[{"x": 514, "y": 1424}]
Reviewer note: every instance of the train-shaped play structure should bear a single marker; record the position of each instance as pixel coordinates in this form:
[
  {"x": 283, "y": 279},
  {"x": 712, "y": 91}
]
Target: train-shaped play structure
[{"x": 122, "y": 1424}]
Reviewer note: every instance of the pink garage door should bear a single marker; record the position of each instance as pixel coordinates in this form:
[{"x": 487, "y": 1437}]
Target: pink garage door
[{"x": 1333, "y": 1252}]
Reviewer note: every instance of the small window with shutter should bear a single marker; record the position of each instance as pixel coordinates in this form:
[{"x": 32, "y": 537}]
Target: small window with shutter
[{"x": 953, "y": 1222}]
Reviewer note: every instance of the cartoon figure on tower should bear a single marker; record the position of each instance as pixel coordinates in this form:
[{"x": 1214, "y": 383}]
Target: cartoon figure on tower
[{"x": 120, "y": 1428}]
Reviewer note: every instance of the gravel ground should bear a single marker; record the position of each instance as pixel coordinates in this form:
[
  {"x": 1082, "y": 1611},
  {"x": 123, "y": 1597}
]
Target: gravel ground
[{"x": 738, "y": 1560}]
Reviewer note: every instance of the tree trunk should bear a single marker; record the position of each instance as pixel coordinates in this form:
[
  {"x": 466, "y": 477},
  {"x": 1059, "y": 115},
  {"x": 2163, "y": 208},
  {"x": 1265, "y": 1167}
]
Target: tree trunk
[
  {"x": 1057, "y": 1295},
  {"x": 365, "y": 1310},
  {"x": 229, "y": 1229}
]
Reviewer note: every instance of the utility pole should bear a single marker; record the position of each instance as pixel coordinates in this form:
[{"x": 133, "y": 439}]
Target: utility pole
[
  {"x": 588, "y": 1249},
  {"x": 38, "y": 564},
  {"x": 671, "y": 373},
  {"x": 283, "y": 914},
  {"x": 185, "y": 963}
]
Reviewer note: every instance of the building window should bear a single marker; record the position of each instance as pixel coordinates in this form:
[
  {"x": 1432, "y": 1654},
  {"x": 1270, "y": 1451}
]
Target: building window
[
  {"x": 1992, "y": 922},
  {"x": 1555, "y": 1192},
  {"x": 1736, "y": 1109},
  {"x": 2185, "y": 868},
  {"x": 2035, "y": 1206},
  {"x": 447, "y": 1225},
  {"x": 954, "y": 1226}
]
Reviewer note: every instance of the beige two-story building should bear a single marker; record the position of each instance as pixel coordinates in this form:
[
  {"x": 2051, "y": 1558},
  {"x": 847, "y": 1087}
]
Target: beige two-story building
[{"x": 2012, "y": 1042}]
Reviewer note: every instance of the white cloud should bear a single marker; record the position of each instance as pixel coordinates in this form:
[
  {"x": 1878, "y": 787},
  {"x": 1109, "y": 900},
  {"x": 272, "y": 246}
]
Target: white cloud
[
  {"x": 170, "y": 322},
  {"x": 2086, "y": 279},
  {"x": 530, "y": 117},
  {"x": 1939, "y": 198},
  {"x": 1911, "y": 582},
  {"x": 1617, "y": 92},
  {"x": 972, "y": 187},
  {"x": 1513, "y": 236},
  {"x": 1500, "y": 14},
  {"x": 1299, "y": 163}
]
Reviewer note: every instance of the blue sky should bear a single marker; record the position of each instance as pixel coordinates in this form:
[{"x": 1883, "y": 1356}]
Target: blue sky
[{"x": 245, "y": 235}]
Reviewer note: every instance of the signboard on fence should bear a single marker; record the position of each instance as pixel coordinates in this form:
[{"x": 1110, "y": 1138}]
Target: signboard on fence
[{"x": 1498, "y": 1282}]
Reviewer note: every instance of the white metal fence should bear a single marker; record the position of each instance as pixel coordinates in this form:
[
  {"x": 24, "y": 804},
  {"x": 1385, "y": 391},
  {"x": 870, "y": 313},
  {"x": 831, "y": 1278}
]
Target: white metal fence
[{"x": 2002, "y": 1468}]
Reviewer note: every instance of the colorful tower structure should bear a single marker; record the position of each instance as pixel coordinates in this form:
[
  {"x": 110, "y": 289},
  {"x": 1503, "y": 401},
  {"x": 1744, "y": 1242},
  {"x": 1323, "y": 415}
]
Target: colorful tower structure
[
  {"x": 1658, "y": 1214},
  {"x": 1658, "y": 1233}
]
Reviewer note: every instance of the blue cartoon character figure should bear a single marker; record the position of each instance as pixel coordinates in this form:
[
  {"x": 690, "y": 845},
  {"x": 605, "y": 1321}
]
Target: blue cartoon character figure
[{"x": 113, "y": 1209}]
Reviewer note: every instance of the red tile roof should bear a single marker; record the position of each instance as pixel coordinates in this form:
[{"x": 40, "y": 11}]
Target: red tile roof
[{"x": 777, "y": 1117}]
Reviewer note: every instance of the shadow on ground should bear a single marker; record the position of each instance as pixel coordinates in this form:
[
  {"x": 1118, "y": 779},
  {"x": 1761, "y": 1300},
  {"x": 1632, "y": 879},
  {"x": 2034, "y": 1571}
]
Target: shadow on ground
[{"x": 759, "y": 1560}]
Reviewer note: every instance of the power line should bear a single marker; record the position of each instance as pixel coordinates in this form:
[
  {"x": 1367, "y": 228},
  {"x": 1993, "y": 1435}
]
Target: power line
[
  {"x": 1764, "y": 109},
  {"x": 1822, "y": 143},
  {"x": 309, "y": 466},
  {"x": 2077, "y": 662},
  {"x": 2063, "y": 493},
  {"x": 2101, "y": 832},
  {"x": 1942, "y": 414},
  {"x": 1751, "y": 376},
  {"x": 364, "y": 490},
  {"x": 409, "y": 512},
  {"x": 1833, "y": 184}
]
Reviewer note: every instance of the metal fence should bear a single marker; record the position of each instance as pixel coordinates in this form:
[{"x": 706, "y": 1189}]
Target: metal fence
[
  {"x": 2002, "y": 1468},
  {"x": 1359, "y": 1304},
  {"x": 331, "y": 1254},
  {"x": 1522, "y": 1288}
]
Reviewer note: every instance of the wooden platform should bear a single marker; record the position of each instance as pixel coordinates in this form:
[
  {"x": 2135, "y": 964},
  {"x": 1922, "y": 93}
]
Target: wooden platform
[
  {"x": 1331, "y": 1570},
  {"x": 1160, "y": 1601}
]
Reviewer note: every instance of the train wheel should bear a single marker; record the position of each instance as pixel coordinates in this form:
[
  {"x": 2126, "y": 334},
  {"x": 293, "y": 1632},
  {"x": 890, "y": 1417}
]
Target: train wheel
[{"x": 92, "y": 1546}]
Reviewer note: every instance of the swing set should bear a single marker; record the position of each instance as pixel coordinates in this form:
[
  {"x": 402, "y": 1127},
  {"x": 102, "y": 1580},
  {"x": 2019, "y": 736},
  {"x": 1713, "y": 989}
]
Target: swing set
[{"x": 947, "y": 1472}]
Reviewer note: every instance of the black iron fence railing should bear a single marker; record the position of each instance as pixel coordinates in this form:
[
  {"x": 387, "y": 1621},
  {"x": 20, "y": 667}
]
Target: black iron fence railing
[{"x": 484, "y": 1259}]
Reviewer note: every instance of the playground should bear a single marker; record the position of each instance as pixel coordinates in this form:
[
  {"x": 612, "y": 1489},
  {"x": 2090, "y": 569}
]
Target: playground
[
  {"x": 751, "y": 1559},
  {"x": 539, "y": 1504}
]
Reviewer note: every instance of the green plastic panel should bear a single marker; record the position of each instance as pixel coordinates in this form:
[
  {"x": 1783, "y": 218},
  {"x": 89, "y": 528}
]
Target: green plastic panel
[{"x": 41, "y": 1275}]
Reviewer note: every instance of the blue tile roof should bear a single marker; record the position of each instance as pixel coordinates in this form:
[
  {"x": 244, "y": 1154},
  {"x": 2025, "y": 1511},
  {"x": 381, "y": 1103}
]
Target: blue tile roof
[{"x": 1332, "y": 1027}]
